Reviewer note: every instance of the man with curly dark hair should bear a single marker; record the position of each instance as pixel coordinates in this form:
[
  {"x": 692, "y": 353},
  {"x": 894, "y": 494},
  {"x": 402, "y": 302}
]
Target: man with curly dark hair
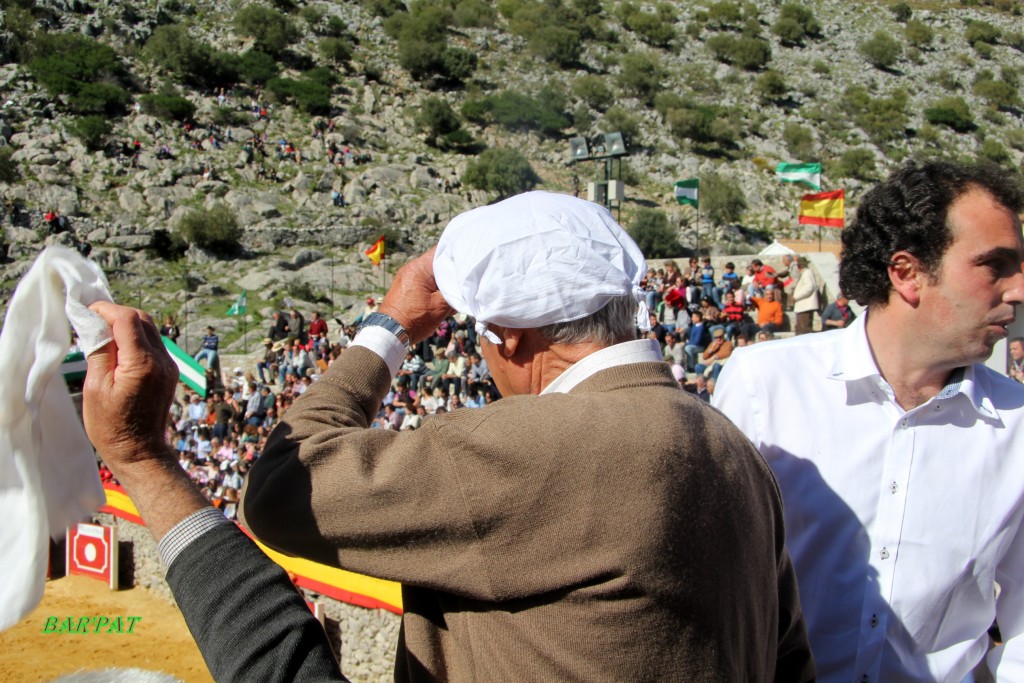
[{"x": 902, "y": 472}]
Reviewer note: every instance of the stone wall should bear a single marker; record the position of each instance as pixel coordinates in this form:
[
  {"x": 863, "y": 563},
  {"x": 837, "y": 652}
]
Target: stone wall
[{"x": 365, "y": 638}]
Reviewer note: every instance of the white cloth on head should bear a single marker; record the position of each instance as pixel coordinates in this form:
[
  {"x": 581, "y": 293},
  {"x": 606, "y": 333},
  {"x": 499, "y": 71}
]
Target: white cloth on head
[
  {"x": 48, "y": 474},
  {"x": 537, "y": 259}
]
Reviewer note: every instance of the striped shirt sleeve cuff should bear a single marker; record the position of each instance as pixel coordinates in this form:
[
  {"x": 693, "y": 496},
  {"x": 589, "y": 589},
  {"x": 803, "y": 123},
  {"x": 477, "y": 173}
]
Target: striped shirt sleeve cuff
[{"x": 188, "y": 530}]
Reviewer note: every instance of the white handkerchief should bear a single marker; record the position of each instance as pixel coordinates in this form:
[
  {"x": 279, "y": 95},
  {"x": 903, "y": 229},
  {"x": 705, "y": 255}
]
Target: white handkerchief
[{"x": 48, "y": 475}]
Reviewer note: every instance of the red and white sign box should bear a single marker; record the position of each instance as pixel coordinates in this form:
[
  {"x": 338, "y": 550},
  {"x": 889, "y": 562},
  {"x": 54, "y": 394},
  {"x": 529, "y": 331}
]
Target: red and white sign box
[{"x": 92, "y": 551}]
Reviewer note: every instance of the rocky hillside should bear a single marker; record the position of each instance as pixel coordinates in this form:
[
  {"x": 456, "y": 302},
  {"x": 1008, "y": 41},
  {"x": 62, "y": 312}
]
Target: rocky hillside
[{"x": 196, "y": 149}]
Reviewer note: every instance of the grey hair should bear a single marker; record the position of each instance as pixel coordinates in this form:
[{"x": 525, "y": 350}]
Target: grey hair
[{"x": 614, "y": 323}]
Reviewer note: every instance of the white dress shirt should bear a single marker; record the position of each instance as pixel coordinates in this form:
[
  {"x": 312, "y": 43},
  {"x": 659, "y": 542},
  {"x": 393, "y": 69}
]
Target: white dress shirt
[{"x": 900, "y": 523}]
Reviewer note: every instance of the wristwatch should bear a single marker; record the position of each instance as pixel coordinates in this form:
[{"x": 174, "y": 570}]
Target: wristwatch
[{"x": 388, "y": 323}]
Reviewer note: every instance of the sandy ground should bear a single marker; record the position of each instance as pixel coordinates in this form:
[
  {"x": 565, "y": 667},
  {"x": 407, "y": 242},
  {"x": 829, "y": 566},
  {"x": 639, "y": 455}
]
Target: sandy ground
[{"x": 160, "y": 641}]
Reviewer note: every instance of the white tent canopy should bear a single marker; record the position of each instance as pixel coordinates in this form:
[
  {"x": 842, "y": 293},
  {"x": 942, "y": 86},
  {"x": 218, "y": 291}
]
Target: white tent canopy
[{"x": 776, "y": 249}]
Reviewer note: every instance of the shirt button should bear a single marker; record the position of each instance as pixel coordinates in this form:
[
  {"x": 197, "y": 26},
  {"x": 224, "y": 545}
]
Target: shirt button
[
  {"x": 884, "y": 554},
  {"x": 904, "y": 424},
  {"x": 874, "y": 620},
  {"x": 894, "y": 488}
]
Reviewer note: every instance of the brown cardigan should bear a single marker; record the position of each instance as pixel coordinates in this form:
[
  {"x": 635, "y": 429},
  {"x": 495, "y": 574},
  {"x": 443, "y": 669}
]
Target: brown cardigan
[{"x": 623, "y": 531}]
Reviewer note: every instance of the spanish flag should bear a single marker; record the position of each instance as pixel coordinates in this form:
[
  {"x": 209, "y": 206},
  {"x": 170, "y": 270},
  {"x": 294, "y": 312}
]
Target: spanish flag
[
  {"x": 823, "y": 208},
  {"x": 376, "y": 252}
]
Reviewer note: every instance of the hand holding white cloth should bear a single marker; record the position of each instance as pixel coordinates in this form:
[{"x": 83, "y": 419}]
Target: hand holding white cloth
[{"x": 48, "y": 475}]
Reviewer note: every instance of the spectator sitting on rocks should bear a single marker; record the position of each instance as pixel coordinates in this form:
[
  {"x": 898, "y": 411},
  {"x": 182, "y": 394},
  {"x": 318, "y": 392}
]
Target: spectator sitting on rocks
[{"x": 208, "y": 348}]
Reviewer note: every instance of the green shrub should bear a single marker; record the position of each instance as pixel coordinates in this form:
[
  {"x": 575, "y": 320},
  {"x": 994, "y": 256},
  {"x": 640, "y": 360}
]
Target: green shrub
[
  {"x": 272, "y": 31},
  {"x": 799, "y": 141},
  {"x": 99, "y": 98},
  {"x": 256, "y": 68},
  {"x": 882, "y": 118},
  {"x": 336, "y": 50},
  {"x": 9, "y": 171},
  {"x": 771, "y": 85},
  {"x": 856, "y": 163},
  {"x": 998, "y": 94},
  {"x": 593, "y": 90},
  {"x": 474, "y": 14},
  {"x": 881, "y": 50},
  {"x": 992, "y": 151},
  {"x": 795, "y": 23},
  {"x": 746, "y": 53},
  {"x": 166, "y": 246},
  {"x": 725, "y": 13},
  {"x": 322, "y": 75},
  {"x": 515, "y": 111},
  {"x": 721, "y": 199},
  {"x": 437, "y": 119},
  {"x": 653, "y": 234},
  {"x": 556, "y": 44},
  {"x": 981, "y": 32},
  {"x": 312, "y": 97},
  {"x": 1015, "y": 136},
  {"x": 651, "y": 29},
  {"x": 901, "y": 11},
  {"x": 227, "y": 117},
  {"x": 91, "y": 130},
  {"x": 501, "y": 170},
  {"x": 88, "y": 72},
  {"x": 640, "y": 75},
  {"x": 918, "y": 33},
  {"x": 622, "y": 120},
  {"x": 952, "y": 112},
  {"x": 167, "y": 107},
  {"x": 215, "y": 229},
  {"x": 457, "y": 64}
]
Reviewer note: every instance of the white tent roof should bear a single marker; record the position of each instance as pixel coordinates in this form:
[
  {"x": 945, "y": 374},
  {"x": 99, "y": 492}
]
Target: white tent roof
[{"x": 775, "y": 249}]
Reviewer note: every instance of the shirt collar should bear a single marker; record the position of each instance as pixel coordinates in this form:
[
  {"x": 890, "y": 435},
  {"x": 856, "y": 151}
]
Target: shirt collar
[
  {"x": 856, "y": 362},
  {"x": 638, "y": 351}
]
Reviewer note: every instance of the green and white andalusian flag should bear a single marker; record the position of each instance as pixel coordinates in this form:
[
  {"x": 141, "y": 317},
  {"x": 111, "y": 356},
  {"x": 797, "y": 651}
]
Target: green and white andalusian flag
[
  {"x": 809, "y": 174},
  {"x": 189, "y": 371},
  {"x": 238, "y": 308},
  {"x": 686, "y": 192}
]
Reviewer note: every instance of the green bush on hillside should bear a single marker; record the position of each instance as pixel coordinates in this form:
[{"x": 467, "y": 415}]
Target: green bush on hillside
[
  {"x": 721, "y": 199},
  {"x": 795, "y": 23},
  {"x": 335, "y": 50},
  {"x": 952, "y": 112},
  {"x": 640, "y": 76},
  {"x": 918, "y": 33},
  {"x": 215, "y": 230},
  {"x": 272, "y": 31},
  {"x": 593, "y": 90},
  {"x": 882, "y": 118},
  {"x": 439, "y": 121},
  {"x": 93, "y": 131},
  {"x": 901, "y": 11},
  {"x": 256, "y": 68},
  {"x": 9, "y": 171},
  {"x": 651, "y": 231},
  {"x": 771, "y": 85},
  {"x": 519, "y": 112},
  {"x": 749, "y": 54},
  {"x": 799, "y": 141},
  {"x": 167, "y": 107},
  {"x": 310, "y": 96},
  {"x": 881, "y": 50},
  {"x": 501, "y": 170},
  {"x": 856, "y": 163},
  {"x": 981, "y": 32},
  {"x": 725, "y": 13},
  {"x": 89, "y": 73}
]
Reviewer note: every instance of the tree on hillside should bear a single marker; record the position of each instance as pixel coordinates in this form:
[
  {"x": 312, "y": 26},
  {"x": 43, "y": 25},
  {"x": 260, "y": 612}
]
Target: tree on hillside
[
  {"x": 652, "y": 233},
  {"x": 501, "y": 170},
  {"x": 881, "y": 50},
  {"x": 721, "y": 199}
]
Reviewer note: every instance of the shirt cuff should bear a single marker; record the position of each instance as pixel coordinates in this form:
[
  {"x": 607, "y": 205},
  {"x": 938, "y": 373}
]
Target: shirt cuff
[
  {"x": 384, "y": 343},
  {"x": 188, "y": 530}
]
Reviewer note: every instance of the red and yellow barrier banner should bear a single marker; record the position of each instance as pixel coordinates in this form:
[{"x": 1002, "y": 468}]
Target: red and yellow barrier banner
[{"x": 344, "y": 586}]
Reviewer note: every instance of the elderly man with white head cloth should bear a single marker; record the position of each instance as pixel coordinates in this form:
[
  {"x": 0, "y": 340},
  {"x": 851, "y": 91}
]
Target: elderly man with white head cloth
[{"x": 596, "y": 523}]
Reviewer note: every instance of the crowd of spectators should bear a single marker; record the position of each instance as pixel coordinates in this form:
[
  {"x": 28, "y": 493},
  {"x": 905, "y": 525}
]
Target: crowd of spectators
[{"x": 218, "y": 437}]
